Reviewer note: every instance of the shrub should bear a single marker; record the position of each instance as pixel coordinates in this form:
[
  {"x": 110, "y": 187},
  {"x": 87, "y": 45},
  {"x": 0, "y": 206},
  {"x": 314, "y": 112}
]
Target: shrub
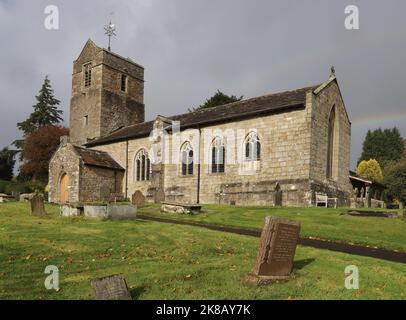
[{"x": 9, "y": 187}]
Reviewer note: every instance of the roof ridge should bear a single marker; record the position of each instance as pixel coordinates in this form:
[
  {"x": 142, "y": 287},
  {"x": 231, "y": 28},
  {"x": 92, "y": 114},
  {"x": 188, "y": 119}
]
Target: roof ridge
[{"x": 252, "y": 98}]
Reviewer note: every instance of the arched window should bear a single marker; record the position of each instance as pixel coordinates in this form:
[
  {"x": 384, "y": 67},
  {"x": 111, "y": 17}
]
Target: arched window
[
  {"x": 142, "y": 166},
  {"x": 218, "y": 156},
  {"x": 252, "y": 147},
  {"x": 330, "y": 143},
  {"x": 186, "y": 159}
]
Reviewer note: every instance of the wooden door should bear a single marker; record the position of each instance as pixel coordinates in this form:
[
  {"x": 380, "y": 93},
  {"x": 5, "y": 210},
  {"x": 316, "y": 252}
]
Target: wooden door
[{"x": 64, "y": 188}]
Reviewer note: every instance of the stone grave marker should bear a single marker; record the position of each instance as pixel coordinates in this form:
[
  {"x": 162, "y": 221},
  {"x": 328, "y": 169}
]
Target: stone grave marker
[
  {"x": 278, "y": 195},
  {"x": 111, "y": 288},
  {"x": 104, "y": 193},
  {"x": 138, "y": 199},
  {"x": 276, "y": 251},
  {"x": 37, "y": 205}
]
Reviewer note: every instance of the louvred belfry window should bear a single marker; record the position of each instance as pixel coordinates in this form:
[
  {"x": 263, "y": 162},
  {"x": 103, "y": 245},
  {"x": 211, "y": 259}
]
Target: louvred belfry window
[{"x": 87, "y": 75}]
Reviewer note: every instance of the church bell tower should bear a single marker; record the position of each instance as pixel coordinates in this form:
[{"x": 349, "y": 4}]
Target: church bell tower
[{"x": 107, "y": 94}]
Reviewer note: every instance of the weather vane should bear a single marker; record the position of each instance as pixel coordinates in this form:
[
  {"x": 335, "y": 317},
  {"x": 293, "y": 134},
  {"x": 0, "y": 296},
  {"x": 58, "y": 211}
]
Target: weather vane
[{"x": 110, "y": 31}]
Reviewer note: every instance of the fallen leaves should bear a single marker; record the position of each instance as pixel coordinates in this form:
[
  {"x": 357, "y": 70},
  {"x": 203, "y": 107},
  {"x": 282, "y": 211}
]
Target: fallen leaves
[{"x": 104, "y": 255}]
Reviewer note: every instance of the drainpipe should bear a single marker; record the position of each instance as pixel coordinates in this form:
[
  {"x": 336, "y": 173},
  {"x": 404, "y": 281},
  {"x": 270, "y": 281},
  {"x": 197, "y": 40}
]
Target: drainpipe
[
  {"x": 198, "y": 169},
  {"x": 126, "y": 170}
]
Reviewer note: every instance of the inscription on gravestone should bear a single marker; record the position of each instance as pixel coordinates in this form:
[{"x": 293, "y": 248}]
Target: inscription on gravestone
[
  {"x": 37, "y": 205},
  {"x": 276, "y": 251},
  {"x": 111, "y": 288}
]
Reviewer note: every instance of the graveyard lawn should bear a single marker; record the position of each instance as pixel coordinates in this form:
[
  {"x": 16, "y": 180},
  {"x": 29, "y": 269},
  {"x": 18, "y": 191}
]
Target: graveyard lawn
[
  {"x": 323, "y": 223},
  {"x": 166, "y": 262}
]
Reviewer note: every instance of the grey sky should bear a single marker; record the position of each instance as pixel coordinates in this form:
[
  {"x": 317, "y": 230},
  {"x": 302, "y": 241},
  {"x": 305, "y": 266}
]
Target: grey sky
[{"x": 190, "y": 48}]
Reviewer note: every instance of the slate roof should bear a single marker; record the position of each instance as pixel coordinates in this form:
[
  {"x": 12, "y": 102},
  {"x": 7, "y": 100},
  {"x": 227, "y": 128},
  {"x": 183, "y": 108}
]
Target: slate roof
[
  {"x": 277, "y": 102},
  {"x": 97, "y": 158}
]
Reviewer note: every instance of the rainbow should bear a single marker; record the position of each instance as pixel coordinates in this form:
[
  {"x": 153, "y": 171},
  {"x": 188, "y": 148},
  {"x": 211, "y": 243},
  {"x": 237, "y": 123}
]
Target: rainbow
[{"x": 389, "y": 116}]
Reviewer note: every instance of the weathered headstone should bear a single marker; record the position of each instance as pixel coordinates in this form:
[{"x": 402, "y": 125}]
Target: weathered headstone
[
  {"x": 111, "y": 288},
  {"x": 278, "y": 196},
  {"x": 138, "y": 199},
  {"x": 104, "y": 193},
  {"x": 37, "y": 205},
  {"x": 276, "y": 251}
]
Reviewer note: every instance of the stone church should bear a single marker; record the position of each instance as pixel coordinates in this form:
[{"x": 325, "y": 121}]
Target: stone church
[{"x": 277, "y": 149}]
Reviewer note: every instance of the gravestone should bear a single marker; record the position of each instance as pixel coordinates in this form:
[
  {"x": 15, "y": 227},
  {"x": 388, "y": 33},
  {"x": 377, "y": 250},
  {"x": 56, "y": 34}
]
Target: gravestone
[
  {"x": 277, "y": 196},
  {"x": 276, "y": 251},
  {"x": 37, "y": 205},
  {"x": 138, "y": 199},
  {"x": 104, "y": 193},
  {"x": 111, "y": 288}
]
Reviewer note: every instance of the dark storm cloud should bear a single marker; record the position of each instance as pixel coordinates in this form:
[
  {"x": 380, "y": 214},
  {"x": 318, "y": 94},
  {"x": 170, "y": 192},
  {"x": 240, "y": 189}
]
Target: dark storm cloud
[{"x": 191, "y": 48}]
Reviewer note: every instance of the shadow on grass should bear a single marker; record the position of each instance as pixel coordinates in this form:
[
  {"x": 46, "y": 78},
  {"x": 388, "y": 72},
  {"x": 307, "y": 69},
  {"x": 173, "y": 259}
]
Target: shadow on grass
[
  {"x": 137, "y": 292},
  {"x": 298, "y": 265}
]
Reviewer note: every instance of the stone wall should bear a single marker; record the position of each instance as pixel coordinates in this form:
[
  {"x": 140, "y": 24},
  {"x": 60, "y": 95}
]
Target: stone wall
[
  {"x": 93, "y": 178},
  {"x": 118, "y": 110},
  {"x": 119, "y": 152},
  {"x": 64, "y": 161},
  {"x": 339, "y": 184},
  {"x": 285, "y": 157}
]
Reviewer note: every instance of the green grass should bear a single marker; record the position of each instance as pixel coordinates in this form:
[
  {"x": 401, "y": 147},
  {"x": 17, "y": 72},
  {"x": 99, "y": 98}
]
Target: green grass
[
  {"x": 165, "y": 261},
  {"x": 324, "y": 223}
]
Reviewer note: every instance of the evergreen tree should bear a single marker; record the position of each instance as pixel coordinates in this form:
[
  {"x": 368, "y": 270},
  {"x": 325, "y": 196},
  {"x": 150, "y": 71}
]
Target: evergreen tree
[
  {"x": 7, "y": 163},
  {"x": 45, "y": 113},
  {"x": 218, "y": 99},
  {"x": 395, "y": 181},
  {"x": 46, "y": 110},
  {"x": 382, "y": 145}
]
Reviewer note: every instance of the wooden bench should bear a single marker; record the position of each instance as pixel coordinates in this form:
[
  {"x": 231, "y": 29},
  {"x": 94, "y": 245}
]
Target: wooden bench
[{"x": 323, "y": 199}]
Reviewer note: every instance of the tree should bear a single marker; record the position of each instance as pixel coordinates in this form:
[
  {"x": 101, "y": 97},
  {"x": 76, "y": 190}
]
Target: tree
[
  {"x": 395, "y": 181},
  {"x": 218, "y": 99},
  {"x": 370, "y": 169},
  {"x": 382, "y": 145},
  {"x": 7, "y": 163},
  {"x": 38, "y": 149},
  {"x": 404, "y": 152},
  {"x": 45, "y": 113}
]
